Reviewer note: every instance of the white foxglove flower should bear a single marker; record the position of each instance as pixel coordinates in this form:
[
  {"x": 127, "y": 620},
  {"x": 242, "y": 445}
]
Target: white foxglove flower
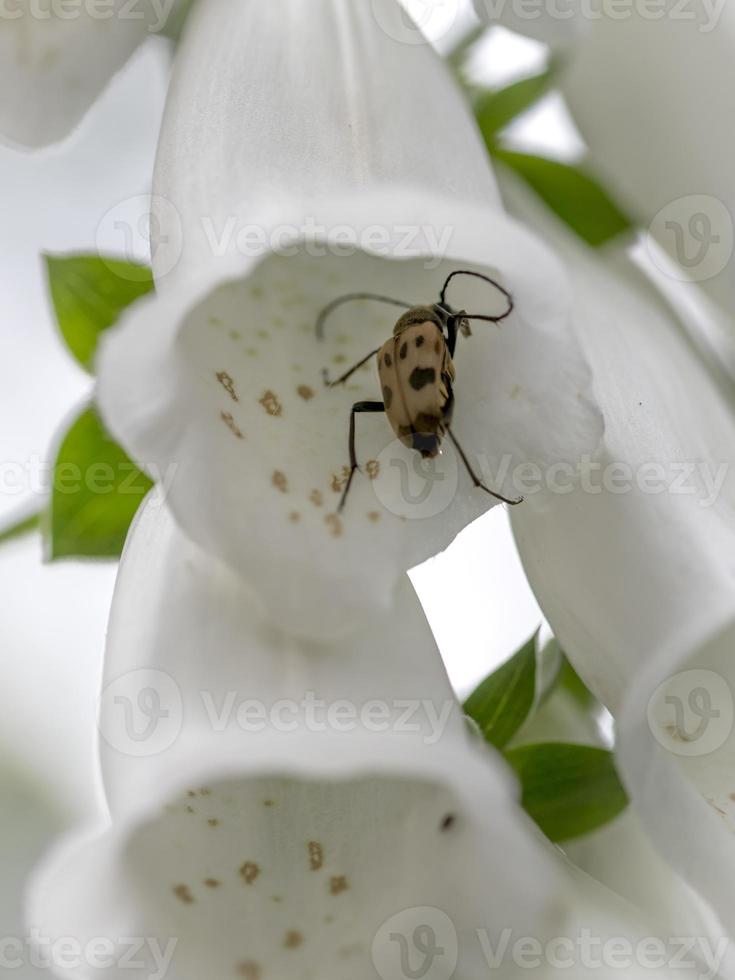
[
  {"x": 282, "y": 800},
  {"x": 254, "y": 836},
  {"x": 634, "y": 568},
  {"x": 56, "y": 58},
  {"x": 218, "y": 381},
  {"x": 667, "y": 158}
]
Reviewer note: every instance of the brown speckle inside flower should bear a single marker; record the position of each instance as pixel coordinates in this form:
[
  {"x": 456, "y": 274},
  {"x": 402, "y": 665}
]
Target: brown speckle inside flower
[
  {"x": 373, "y": 469},
  {"x": 316, "y": 855},
  {"x": 248, "y": 970},
  {"x": 293, "y": 939},
  {"x": 339, "y": 480},
  {"x": 338, "y": 884},
  {"x": 212, "y": 882},
  {"x": 374, "y": 516},
  {"x": 229, "y": 421},
  {"x": 271, "y": 403},
  {"x": 317, "y": 498},
  {"x": 228, "y": 384},
  {"x": 333, "y": 522},
  {"x": 183, "y": 893},
  {"x": 249, "y": 872},
  {"x": 294, "y": 517},
  {"x": 279, "y": 481},
  {"x": 305, "y": 392},
  {"x": 213, "y": 822}
]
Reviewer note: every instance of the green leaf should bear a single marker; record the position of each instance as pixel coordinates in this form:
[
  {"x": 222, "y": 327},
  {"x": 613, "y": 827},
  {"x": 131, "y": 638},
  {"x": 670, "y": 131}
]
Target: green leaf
[
  {"x": 569, "y": 790},
  {"x": 89, "y": 293},
  {"x": 494, "y": 110},
  {"x": 503, "y": 701},
  {"x": 571, "y": 681},
  {"x": 95, "y": 495},
  {"x": 20, "y": 527},
  {"x": 571, "y": 193}
]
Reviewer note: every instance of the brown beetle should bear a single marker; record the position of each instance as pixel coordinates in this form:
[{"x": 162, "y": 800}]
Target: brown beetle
[{"x": 416, "y": 371}]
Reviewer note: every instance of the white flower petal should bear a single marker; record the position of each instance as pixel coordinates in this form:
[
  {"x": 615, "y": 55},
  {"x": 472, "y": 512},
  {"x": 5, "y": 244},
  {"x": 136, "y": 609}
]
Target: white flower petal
[
  {"x": 666, "y": 151},
  {"x": 637, "y": 579},
  {"x": 236, "y": 153},
  {"x": 225, "y": 392},
  {"x": 219, "y": 389},
  {"x": 54, "y": 63},
  {"x": 555, "y": 24},
  {"x": 286, "y": 849}
]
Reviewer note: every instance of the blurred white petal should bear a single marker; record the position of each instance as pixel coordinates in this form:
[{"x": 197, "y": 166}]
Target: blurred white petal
[
  {"x": 635, "y": 572},
  {"x": 649, "y": 93},
  {"x": 56, "y": 59},
  {"x": 216, "y": 383}
]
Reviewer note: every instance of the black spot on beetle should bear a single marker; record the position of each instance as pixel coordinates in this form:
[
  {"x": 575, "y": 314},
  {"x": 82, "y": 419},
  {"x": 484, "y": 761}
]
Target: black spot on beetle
[
  {"x": 404, "y": 350},
  {"x": 419, "y": 341},
  {"x": 388, "y": 361},
  {"x": 420, "y": 377},
  {"x": 448, "y": 822},
  {"x": 387, "y": 397}
]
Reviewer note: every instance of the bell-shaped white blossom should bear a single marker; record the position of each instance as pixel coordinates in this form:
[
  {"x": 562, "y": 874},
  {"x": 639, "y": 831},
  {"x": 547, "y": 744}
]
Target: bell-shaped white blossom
[
  {"x": 650, "y": 91},
  {"x": 634, "y": 568},
  {"x": 275, "y": 201},
  {"x": 57, "y": 57},
  {"x": 281, "y": 808}
]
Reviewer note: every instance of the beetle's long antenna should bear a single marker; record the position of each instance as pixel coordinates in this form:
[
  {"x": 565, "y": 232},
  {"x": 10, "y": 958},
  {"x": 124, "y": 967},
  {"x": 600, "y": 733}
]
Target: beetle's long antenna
[
  {"x": 478, "y": 316},
  {"x": 349, "y": 298}
]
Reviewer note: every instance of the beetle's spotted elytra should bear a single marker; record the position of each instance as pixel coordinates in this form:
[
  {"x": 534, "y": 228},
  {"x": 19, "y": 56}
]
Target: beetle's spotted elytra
[{"x": 417, "y": 374}]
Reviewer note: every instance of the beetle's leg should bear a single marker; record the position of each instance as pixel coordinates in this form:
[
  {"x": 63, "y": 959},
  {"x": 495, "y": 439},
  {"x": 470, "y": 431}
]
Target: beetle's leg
[
  {"x": 348, "y": 374},
  {"x": 357, "y": 408},
  {"x": 349, "y": 298},
  {"x": 478, "y": 316},
  {"x": 475, "y": 479}
]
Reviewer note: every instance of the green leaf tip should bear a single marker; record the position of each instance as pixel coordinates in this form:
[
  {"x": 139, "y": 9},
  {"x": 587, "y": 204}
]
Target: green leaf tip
[
  {"x": 96, "y": 493},
  {"x": 504, "y": 700},
  {"x": 88, "y": 294},
  {"x": 569, "y": 790}
]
